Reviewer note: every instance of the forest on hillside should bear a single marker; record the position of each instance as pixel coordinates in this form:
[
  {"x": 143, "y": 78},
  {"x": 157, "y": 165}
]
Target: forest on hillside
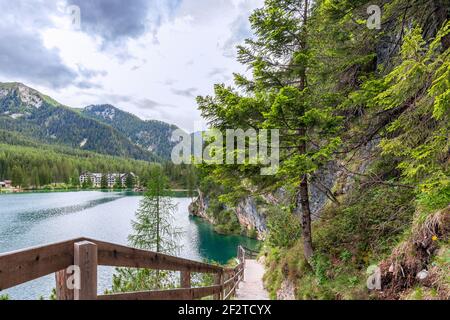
[
  {"x": 35, "y": 165},
  {"x": 367, "y": 107}
]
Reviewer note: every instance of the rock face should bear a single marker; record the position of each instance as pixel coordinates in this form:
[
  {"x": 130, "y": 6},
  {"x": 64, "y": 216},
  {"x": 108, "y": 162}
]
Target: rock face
[
  {"x": 327, "y": 185},
  {"x": 334, "y": 180},
  {"x": 251, "y": 217},
  {"x": 199, "y": 206},
  {"x": 287, "y": 291},
  {"x": 247, "y": 212}
]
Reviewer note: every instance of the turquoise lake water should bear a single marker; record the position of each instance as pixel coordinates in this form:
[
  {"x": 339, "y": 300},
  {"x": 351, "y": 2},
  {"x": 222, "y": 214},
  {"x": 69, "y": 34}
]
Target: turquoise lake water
[{"x": 30, "y": 219}]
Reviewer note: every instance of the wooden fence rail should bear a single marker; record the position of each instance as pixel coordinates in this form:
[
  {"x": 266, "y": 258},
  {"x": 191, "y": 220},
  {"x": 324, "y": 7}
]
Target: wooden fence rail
[{"x": 82, "y": 256}]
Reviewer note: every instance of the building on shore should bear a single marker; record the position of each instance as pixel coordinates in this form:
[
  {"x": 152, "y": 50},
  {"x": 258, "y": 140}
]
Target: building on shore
[
  {"x": 113, "y": 179},
  {"x": 6, "y": 184}
]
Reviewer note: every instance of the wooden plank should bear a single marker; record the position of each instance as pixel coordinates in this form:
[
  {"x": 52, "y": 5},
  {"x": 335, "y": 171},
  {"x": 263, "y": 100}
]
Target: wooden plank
[
  {"x": 25, "y": 265},
  {"x": 85, "y": 258},
  {"x": 185, "y": 279},
  {"x": 121, "y": 256},
  {"x": 233, "y": 279},
  {"x": 232, "y": 291},
  {"x": 218, "y": 280},
  {"x": 172, "y": 294},
  {"x": 63, "y": 292}
]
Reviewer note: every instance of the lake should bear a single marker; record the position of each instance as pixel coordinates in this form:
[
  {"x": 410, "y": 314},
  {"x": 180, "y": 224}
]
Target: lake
[{"x": 30, "y": 219}]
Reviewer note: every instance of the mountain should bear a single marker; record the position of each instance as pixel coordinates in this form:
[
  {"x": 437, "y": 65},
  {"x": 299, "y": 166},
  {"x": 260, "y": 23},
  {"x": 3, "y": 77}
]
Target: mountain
[
  {"x": 34, "y": 115},
  {"x": 154, "y": 136}
]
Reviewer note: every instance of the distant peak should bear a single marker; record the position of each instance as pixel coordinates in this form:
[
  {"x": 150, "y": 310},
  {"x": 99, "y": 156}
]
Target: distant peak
[
  {"x": 97, "y": 107},
  {"x": 105, "y": 111},
  {"x": 29, "y": 97}
]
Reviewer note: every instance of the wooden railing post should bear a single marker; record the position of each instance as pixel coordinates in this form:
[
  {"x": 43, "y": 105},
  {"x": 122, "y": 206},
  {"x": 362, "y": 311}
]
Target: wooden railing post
[
  {"x": 242, "y": 260},
  {"x": 63, "y": 292},
  {"x": 85, "y": 258},
  {"x": 185, "y": 279},
  {"x": 218, "y": 280},
  {"x": 236, "y": 280}
]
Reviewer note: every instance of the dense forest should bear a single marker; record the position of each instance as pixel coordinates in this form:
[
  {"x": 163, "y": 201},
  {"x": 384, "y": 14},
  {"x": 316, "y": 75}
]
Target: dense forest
[
  {"x": 46, "y": 144},
  {"x": 30, "y": 164},
  {"x": 150, "y": 135},
  {"x": 367, "y": 108}
]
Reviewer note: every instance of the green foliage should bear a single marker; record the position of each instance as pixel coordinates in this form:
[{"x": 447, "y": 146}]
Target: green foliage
[
  {"x": 367, "y": 225},
  {"x": 104, "y": 181},
  {"x": 348, "y": 239},
  {"x": 281, "y": 97},
  {"x": 152, "y": 230},
  {"x": 4, "y": 297},
  {"x": 67, "y": 127},
  {"x": 417, "y": 89},
  {"x": 435, "y": 199},
  {"x": 150, "y": 135},
  {"x": 53, "y": 295},
  {"x": 337, "y": 89},
  {"x": 37, "y": 165},
  {"x": 252, "y": 233},
  {"x": 284, "y": 228},
  {"x": 132, "y": 280},
  {"x": 129, "y": 181}
]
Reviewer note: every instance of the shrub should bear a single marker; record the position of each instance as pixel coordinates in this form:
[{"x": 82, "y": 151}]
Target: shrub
[{"x": 284, "y": 228}]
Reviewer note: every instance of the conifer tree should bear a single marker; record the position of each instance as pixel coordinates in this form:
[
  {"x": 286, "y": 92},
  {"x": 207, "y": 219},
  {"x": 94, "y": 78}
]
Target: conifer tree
[
  {"x": 104, "y": 181},
  {"x": 279, "y": 97},
  {"x": 152, "y": 230}
]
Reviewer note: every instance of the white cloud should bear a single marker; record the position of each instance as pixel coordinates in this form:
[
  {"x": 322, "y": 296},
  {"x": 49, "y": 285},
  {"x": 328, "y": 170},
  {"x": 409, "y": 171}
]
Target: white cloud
[{"x": 162, "y": 68}]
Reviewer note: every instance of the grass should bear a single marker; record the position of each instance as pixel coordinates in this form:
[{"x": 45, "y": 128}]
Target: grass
[{"x": 348, "y": 239}]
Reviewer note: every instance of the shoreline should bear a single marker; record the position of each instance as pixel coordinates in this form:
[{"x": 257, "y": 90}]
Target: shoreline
[{"x": 172, "y": 192}]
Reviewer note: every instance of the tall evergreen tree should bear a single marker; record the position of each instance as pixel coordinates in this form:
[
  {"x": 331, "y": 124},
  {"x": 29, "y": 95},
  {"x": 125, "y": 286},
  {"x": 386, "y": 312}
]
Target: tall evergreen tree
[
  {"x": 279, "y": 97},
  {"x": 129, "y": 181},
  {"x": 104, "y": 181},
  {"x": 152, "y": 230},
  {"x": 153, "y": 227}
]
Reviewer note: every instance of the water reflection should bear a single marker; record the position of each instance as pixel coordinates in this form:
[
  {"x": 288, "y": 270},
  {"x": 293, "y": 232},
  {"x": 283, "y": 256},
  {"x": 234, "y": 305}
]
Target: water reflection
[{"x": 34, "y": 219}]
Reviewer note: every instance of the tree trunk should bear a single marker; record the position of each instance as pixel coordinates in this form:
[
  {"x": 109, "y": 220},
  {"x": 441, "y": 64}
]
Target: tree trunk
[
  {"x": 306, "y": 219},
  {"x": 303, "y": 187}
]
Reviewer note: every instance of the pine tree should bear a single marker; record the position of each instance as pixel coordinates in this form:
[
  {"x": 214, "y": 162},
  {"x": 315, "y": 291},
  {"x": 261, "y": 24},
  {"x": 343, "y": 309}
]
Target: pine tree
[
  {"x": 153, "y": 227},
  {"x": 104, "y": 181},
  {"x": 152, "y": 230},
  {"x": 279, "y": 97},
  {"x": 191, "y": 181},
  {"x": 129, "y": 181},
  {"x": 17, "y": 176}
]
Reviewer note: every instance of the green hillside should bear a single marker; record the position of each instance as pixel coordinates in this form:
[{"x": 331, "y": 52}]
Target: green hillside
[{"x": 151, "y": 135}]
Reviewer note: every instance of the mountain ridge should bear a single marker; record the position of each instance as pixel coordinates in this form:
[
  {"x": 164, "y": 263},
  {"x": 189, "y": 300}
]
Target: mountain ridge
[
  {"x": 152, "y": 135},
  {"x": 34, "y": 115}
]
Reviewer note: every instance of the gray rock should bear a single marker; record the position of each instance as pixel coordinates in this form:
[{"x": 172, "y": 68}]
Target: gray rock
[{"x": 422, "y": 275}]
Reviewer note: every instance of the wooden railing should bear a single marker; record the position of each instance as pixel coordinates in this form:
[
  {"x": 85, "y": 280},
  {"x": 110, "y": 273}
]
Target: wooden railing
[
  {"x": 82, "y": 256},
  {"x": 250, "y": 253}
]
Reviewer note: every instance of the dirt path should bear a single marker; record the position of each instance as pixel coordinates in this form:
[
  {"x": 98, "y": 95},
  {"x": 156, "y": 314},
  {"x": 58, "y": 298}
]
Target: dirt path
[{"x": 252, "y": 287}]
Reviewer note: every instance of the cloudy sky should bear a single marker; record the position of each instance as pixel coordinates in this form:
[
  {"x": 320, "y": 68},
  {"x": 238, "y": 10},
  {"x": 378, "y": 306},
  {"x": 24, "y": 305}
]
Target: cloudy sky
[{"x": 148, "y": 57}]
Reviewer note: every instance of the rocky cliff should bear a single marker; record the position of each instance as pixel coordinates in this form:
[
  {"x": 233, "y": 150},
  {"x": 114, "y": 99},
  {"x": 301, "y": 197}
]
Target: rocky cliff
[
  {"x": 330, "y": 183},
  {"x": 249, "y": 214}
]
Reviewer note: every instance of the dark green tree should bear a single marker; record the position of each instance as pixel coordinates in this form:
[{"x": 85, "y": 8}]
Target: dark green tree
[
  {"x": 17, "y": 176},
  {"x": 153, "y": 230},
  {"x": 279, "y": 97},
  {"x": 104, "y": 181},
  {"x": 129, "y": 181}
]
